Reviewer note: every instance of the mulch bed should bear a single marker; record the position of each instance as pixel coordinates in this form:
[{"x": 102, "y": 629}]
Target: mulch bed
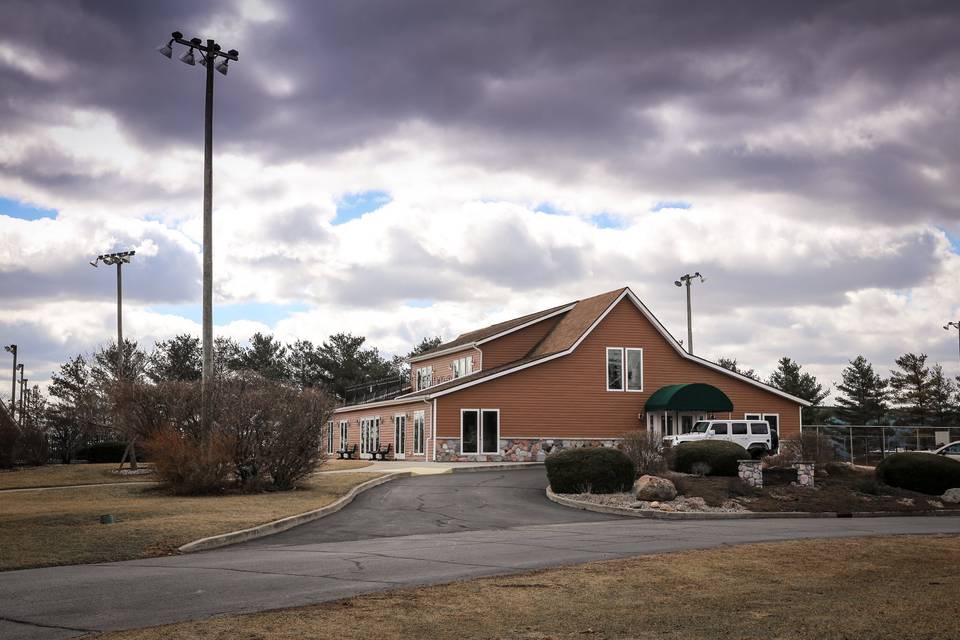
[{"x": 850, "y": 492}]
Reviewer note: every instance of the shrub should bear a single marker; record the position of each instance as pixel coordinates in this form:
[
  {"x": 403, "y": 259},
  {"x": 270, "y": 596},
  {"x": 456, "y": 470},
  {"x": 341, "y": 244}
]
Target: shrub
[
  {"x": 9, "y": 441},
  {"x": 869, "y": 485},
  {"x": 710, "y": 457},
  {"x": 922, "y": 472},
  {"x": 590, "y": 470},
  {"x": 189, "y": 465},
  {"x": 789, "y": 452},
  {"x": 645, "y": 450},
  {"x": 34, "y": 447},
  {"x": 817, "y": 448}
]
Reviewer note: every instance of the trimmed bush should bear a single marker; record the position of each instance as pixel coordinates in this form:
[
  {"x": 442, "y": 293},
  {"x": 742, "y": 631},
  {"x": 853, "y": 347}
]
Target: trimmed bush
[
  {"x": 590, "y": 470},
  {"x": 708, "y": 457},
  {"x": 922, "y": 472}
]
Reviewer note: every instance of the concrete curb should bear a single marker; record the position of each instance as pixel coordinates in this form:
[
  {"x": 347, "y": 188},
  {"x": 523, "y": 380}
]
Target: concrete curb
[
  {"x": 736, "y": 515},
  {"x": 260, "y": 531}
]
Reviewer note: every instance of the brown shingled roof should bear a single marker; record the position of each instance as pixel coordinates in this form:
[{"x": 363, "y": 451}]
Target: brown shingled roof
[
  {"x": 481, "y": 334},
  {"x": 572, "y": 325}
]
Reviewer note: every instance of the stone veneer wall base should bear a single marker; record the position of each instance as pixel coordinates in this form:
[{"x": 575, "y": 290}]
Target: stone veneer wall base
[{"x": 518, "y": 449}]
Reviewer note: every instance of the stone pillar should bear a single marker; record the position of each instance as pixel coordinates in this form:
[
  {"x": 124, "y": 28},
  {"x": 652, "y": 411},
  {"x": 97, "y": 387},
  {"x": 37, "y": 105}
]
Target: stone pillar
[
  {"x": 751, "y": 472},
  {"x": 804, "y": 474}
]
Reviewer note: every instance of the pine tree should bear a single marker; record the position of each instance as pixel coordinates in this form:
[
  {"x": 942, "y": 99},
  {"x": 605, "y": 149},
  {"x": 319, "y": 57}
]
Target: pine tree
[
  {"x": 790, "y": 378},
  {"x": 74, "y": 415},
  {"x": 731, "y": 364},
  {"x": 911, "y": 387},
  {"x": 265, "y": 356},
  {"x": 177, "y": 359},
  {"x": 864, "y": 393},
  {"x": 941, "y": 397}
]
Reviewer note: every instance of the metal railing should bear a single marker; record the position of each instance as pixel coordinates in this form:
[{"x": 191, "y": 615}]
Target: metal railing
[
  {"x": 869, "y": 444},
  {"x": 374, "y": 390}
]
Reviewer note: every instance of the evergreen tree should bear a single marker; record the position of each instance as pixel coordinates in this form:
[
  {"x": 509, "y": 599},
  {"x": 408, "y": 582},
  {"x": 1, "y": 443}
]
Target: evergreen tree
[
  {"x": 344, "y": 363},
  {"x": 863, "y": 393},
  {"x": 426, "y": 344},
  {"x": 731, "y": 364},
  {"x": 790, "y": 378},
  {"x": 941, "y": 397},
  {"x": 74, "y": 415},
  {"x": 265, "y": 356},
  {"x": 104, "y": 369},
  {"x": 911, "y": 387},
  {"x": 178, "y": 359},
  {"x": 226, "y": 356},
  {"x": 304, "y": 364}
]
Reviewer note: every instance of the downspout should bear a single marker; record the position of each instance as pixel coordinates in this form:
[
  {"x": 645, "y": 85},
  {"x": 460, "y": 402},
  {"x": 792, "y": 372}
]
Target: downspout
[{"x": 433, "y": 427}]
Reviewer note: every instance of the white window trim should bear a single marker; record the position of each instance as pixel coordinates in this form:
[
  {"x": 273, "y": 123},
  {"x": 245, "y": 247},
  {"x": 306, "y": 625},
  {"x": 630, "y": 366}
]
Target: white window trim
[
  {"x": 344, "y": 433},
  {"x": 420, "y": 370},
  {"x": 626, "y": 359},
  {"x": 749, "y": 416},
  {"x": 480, "y": 451},
  {"x": 623, "y": 368}
]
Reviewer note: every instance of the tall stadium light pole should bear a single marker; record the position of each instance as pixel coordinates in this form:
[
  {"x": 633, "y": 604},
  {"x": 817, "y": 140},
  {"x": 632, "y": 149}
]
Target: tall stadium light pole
[
  {"x": 118, "y": 259},
  {"x": 23, "y": 384},
  {"x": 209, "y": 55},
  {"x": 686, "y": 279},
  {"x": 954, "y": 325},
  {"x": 12, "y": 348}
]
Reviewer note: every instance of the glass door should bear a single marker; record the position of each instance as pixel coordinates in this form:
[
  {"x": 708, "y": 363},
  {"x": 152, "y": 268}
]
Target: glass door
[{"x": 399, "y": 436}]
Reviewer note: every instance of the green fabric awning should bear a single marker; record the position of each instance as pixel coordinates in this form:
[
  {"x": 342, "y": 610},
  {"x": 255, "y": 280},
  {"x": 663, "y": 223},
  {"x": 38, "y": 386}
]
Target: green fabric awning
[{"x": 695, "y": 396}]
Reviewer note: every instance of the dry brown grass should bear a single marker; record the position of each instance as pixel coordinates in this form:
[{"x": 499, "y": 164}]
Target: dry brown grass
[
  {"x": 61, "y": 526},
  {"x": 335, "y": 464},
  {"x": 893, "y": 587},
  {"x": 62, "y": 475}
]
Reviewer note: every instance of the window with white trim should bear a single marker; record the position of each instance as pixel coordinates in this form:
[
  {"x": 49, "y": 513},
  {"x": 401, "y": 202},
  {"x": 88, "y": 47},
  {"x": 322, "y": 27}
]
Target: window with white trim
[
  {"x": 634, "y": 358},
  {"x": 344, "y": 433},
  {"x": 480, "y": 431},
  {"x": 462, "y": 366},
  {"x": 614, "y": 369},
  {"x": 330, "y": 437},
  {"x": 424, "y": 377},
  {"x": 624, "y": 369}
]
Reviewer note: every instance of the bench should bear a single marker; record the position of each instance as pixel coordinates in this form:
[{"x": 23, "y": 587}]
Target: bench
[
  {"x": 383, "y": 452},
  {"x": 346, "y": 454}
]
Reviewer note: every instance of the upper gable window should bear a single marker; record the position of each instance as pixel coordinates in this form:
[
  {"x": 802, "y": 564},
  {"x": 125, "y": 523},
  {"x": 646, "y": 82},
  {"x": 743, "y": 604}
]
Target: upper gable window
[
  {"x": 462, "y": 366},
  {"x": 614, "y": 369},
  {"x": 624, "y": 369},
  {"x": 424, "y": 377}
]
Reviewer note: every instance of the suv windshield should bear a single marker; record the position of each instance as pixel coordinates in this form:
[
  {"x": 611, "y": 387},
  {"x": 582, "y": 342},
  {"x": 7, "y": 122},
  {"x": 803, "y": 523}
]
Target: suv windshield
[{"x": 700, "y": 427}]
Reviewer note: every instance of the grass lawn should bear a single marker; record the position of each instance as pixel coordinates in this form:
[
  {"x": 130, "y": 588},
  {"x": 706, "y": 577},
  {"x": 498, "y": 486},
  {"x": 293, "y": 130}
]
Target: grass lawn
[
  {"x": 60, "y": 475},
  {"x": 61, "y": 526},
  {"x": 895, "y": 587}
]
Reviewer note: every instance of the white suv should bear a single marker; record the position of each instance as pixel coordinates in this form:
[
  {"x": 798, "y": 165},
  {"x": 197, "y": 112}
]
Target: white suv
[{"x": 755, "y": 436}]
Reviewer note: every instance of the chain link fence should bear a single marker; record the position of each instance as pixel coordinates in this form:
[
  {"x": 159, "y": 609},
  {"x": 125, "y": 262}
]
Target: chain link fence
[{"x": 869, "y": 444}]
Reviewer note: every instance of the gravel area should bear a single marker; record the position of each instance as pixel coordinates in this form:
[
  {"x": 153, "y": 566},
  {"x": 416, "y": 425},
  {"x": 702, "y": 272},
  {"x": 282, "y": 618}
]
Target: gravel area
[{"x": 680, "y": 503}]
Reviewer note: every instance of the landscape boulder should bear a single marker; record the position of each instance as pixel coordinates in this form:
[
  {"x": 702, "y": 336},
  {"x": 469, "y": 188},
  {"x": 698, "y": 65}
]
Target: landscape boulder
[
  {"x": 654, "y": 488},
  {"x": 951, "y": 495}
]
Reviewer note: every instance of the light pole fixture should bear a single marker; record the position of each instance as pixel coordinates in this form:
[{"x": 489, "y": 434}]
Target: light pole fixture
[
  {"x": 22, "y": 383},
  {"x": 954, "y": 325},
  {"x": 686, "y": 279},
  {"x": 118, "y": 259},
  {"x": 211, "y": 57},
  {"x": 12, "y": 348}
]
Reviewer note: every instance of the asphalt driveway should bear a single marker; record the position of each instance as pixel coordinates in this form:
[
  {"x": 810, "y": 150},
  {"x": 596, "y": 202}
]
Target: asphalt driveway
[{"x": 423, "y": 530}]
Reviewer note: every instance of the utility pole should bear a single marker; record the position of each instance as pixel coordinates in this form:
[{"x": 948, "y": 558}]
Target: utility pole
[
  {"x": 685, "y": 279},
  {"x": 209, "y": 53},
  {"x": 120, "y": 259},
  {"x": 13, "y": 383}
]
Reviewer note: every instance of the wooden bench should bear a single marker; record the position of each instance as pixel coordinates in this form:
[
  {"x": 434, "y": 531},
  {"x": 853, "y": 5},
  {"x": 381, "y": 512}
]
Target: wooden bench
[
  {"x": 347, "y": 454},
  {"x": 383, "y": 452}
]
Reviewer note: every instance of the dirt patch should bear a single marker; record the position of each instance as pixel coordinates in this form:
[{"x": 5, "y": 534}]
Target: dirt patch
[
  {"x": 61, "y": 526},
  {"x": 878, "y": 588}
]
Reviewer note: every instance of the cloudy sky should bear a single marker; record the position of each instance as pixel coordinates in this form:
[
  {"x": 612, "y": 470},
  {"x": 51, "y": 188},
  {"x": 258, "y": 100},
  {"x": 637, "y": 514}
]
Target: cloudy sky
[{"x": 404, "y": 169}]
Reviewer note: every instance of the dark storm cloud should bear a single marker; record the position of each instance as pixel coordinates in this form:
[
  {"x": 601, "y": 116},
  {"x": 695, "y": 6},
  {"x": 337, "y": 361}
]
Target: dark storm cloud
[{"x": 547, "y": 86}]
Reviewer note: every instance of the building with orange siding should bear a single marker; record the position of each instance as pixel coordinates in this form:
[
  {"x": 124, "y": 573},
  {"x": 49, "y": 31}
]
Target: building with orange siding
[{"x": 575, "y": 375}]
